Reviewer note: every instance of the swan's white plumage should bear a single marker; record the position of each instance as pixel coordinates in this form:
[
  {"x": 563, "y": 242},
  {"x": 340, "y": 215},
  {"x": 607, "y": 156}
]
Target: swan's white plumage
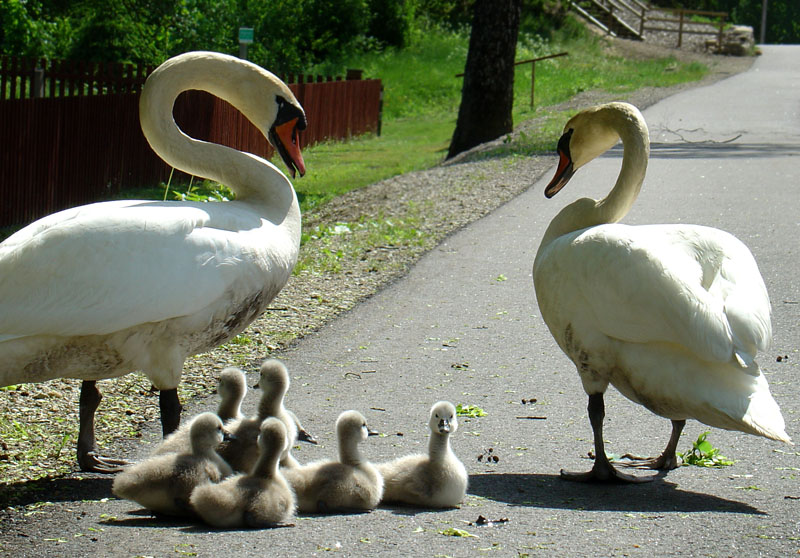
[
  {"x": 671, "y": 315},
  {"x": 196, "y": 247},
  {"x": 660, "y": 283}
]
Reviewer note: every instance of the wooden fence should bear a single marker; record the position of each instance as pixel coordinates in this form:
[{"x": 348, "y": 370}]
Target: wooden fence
[{"x": 69, "y": 138}]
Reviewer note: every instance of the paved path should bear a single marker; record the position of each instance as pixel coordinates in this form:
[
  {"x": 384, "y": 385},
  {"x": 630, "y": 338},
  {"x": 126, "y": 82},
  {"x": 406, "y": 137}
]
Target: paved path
[{"x": 463, "y": 326}]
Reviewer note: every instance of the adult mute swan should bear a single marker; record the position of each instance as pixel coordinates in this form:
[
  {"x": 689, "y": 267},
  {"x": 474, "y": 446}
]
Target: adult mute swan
[
  {"x": 101, "y": 290},
  {"x": 670, "y": 315}
]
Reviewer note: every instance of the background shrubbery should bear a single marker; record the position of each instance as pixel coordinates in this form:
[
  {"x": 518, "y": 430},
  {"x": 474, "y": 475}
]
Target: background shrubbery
[{"x": 290, "y": 35}]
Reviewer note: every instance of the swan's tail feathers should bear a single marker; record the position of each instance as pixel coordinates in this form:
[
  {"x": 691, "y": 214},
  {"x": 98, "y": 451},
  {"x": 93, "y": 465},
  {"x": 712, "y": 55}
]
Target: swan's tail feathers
[{"x": 765, "y": 418}]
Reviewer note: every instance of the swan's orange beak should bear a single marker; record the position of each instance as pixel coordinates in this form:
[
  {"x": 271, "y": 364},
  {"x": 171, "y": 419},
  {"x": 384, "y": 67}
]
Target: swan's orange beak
[
  {"x": 286, "y": 142},
  {"x": 565, "y": 168}
]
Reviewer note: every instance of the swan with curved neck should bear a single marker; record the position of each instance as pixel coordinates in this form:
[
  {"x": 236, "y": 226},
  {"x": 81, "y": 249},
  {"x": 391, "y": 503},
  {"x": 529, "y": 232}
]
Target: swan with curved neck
[
  {"x": 104, "y": 289},
  {"x": 670, "y": 315}
]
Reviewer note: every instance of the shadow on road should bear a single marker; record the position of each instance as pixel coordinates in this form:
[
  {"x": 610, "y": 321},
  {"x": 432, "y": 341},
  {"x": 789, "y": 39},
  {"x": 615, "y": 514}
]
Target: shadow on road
[
  {"x": 550, "y": 491},
  {"x": 55, "y": 490},
  {"x": 713, "y": 150}
]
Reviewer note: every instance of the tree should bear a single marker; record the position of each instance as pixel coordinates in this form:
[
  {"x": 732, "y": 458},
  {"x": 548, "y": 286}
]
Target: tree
[{"x": 488, "y": 91}]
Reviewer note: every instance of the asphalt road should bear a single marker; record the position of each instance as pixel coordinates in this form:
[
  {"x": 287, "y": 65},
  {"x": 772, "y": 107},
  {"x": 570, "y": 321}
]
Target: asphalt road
[{"x": 463, "y": 325}]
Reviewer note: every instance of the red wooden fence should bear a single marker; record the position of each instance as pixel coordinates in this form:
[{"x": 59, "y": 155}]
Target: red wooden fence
[{"x": 82, "y": 141}]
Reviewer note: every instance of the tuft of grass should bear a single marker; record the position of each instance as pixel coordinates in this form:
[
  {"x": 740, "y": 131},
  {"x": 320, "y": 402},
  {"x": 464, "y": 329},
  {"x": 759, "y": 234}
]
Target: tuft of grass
[
  {"x": 471, "y": 411},
  {"x": 703, "y": 454}
]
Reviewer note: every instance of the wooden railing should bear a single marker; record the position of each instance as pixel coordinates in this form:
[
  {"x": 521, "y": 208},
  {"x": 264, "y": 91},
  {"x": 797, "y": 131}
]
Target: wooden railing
[
  {"x": 634, "y": 14},
  {"x": 80, "y": 141},
  {"x": 681, "y": 17}
]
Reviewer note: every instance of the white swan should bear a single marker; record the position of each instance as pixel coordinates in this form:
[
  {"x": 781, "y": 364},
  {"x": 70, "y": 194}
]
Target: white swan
[
  {"x": 437, "y": 479},
  {"x": 670, "y": 315},
  {"x": 101, "y": 290}
]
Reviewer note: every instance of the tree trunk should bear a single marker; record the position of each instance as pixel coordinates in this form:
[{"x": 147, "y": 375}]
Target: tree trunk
[{"x": 488, "y": 91}]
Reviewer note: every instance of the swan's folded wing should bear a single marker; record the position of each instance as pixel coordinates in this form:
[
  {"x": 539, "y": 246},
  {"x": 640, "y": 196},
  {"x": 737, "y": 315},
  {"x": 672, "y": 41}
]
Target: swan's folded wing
[
  {"x": 668, "y": 284},
  {"x": 105, "y": 267}
]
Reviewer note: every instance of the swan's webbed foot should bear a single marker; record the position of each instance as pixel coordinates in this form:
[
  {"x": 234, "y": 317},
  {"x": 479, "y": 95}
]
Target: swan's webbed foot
[
  {"x": 668, "y": 460},
  {"x": 603, "y": 471},
  {"x": 92, "y": 462},
  {"x": 89, "y": 459},
  {"x": 663, "y": 462}
]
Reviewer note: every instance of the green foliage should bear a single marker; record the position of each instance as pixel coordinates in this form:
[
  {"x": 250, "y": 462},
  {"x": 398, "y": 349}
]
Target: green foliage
[
  {"x": 471, "y": 411},
  {"x": 703, "y": 454},
  {"x": 391, "y": 21},
  {"x": 290, "y": 35},
  {"x": 451, "y": 14}
]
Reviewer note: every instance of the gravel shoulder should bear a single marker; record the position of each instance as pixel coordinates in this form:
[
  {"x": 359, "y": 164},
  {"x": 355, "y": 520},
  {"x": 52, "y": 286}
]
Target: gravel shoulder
[{"x": 365, "y": 256}]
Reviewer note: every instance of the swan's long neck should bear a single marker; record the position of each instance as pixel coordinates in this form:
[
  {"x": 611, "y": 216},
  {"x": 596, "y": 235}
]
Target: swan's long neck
[
  {"x": 267, "y": 464},
  {"x": 438, "y": 446},
  {"x": 254, "y": 180},
  {"x": 271, "y": 403},
  {"x": 349, "y": 453},
  {"x": 230, "y": 405},
  {"x": 587, "y": 212}
]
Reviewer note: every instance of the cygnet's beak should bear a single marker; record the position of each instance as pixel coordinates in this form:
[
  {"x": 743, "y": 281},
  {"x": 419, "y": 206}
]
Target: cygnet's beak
[
  {"x": 304, "y": 435},
  {"x": 444, "y": 426},
  {"x": 228, "y": 436},
  {"x": 371, "y": 432}
]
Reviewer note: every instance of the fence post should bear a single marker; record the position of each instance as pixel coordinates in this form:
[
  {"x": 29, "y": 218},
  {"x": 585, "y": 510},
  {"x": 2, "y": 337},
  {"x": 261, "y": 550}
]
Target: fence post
[
  {"x": 533, "y": 79},
  {"x": 641, "y": 23},
  {"x": 38, "y": 83},
  {"x": 680, "y": 29},
  {"x": 353, "y": 74}
]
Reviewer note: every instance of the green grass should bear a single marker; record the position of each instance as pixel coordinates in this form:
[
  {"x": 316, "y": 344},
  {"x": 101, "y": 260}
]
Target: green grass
[
  {"x": 422, "y": 95},
  {"x": 406, "y": 144}
]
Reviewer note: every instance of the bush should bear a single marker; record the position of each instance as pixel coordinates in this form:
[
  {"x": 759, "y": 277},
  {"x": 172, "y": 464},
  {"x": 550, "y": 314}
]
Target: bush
[
  {"x": 291, "y": 35},
  {"x": 391, "y": 21}
]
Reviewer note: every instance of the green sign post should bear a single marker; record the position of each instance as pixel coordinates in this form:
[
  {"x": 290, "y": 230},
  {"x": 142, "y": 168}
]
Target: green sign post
[{"x": 245, "y": 38}]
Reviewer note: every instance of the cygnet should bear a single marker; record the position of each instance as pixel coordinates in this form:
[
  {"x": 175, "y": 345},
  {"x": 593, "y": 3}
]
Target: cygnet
[
  {"x": 349, "y": 484},
  {"x": 242, "y": 452},
  {"x": 164, "y": 483},
  {"x": 262, "y": 498},
  {"x": 438, "y": 479}
]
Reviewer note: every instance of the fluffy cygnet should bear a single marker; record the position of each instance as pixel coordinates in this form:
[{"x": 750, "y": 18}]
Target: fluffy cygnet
[
  {"x": 242, "y": 452},
  {"x": 232, "y": 389},
  {"x": 163, "y": 483},
  {"x": 262, "y": 498},
  {"x": 438, "y": 479},
  {"x": 351, "y": 483}
]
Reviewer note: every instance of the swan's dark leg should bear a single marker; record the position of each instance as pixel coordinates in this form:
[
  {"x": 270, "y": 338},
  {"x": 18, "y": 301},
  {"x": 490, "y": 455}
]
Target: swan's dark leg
[
  {"x": 88, "y": 458},
  {"x": 171, "y": 408},
  {"x": 602, "y": 471},
  {"x": 668, "y": 460}
]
